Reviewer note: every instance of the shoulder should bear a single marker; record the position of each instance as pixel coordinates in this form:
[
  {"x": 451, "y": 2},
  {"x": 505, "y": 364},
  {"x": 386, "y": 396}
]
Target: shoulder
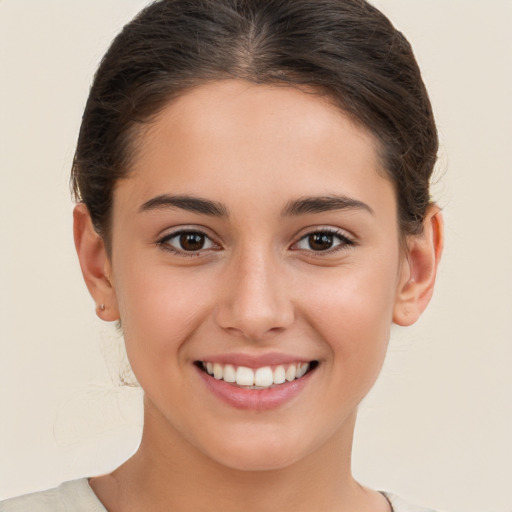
[
  {"x": 75, "y": 496},
  {"x": 400, "y": 505}
]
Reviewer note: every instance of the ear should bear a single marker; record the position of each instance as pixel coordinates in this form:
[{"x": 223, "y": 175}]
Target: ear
[
  {"x": 95, "y": 264},
  {"x": 419, "y": 270}
]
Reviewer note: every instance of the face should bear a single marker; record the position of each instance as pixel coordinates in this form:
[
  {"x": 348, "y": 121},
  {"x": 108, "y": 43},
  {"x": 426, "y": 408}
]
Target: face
[{"x": 256, "y": 236}]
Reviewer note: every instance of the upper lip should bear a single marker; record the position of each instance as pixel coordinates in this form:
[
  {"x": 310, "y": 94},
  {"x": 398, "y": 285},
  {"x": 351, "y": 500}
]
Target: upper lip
[{"x": 255, "y": 361}]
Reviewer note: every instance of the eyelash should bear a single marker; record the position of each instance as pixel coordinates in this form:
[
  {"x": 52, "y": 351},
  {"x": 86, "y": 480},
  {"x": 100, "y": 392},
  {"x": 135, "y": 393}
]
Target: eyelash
[
  {"x": 163, "y": 243},
  {"x": 344, "y": 242}
]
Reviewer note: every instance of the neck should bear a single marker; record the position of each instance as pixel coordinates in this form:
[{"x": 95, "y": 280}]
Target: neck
[{"x": 168, "y": 473}]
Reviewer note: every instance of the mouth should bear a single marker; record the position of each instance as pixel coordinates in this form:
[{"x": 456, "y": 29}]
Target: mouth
[{"x": 265, "y": 377}]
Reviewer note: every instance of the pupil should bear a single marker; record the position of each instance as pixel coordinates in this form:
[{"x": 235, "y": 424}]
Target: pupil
[
  {"x": 320, "y": 241},
  {"x": 192, "y": 241}
]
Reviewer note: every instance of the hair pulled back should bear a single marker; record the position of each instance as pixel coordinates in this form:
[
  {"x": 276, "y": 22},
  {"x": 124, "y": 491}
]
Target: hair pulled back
[{"x": 345, "y": 49}]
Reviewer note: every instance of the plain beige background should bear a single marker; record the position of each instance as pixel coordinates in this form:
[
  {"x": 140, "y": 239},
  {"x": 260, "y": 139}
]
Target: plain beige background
[{"x": 436, "y": 428}]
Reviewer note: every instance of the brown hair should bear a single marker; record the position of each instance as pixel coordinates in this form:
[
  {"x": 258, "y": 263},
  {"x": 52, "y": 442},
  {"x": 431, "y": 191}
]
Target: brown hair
[{"x": 346, "y": 49}]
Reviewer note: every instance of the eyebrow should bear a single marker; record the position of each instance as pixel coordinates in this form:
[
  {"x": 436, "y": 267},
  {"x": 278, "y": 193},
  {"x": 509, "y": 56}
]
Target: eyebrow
[
  {"x": 320, "y": 204},
  {"x": 184, "y": 202},
  {"x": 301, "y": 206}
]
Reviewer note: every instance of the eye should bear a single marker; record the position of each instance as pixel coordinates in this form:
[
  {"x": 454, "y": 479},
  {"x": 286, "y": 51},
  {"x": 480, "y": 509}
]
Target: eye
[
  {"x": 187, "y": 242},
  {"x": 323, "y": 241}
]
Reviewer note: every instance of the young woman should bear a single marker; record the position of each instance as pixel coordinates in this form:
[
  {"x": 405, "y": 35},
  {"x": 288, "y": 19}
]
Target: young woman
[{"x": 252, "y": 180}]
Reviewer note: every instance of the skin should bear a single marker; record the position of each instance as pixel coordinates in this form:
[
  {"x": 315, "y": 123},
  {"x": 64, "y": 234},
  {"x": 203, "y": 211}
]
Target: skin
[{"x": 257, "y": 287}]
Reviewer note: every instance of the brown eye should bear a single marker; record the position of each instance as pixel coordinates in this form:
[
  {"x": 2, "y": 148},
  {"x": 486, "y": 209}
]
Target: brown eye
[
  {"x": 323, "y": 241},
  {"x": 320, "y": 241},
  {"x": 192, "y": 241},
  {"x": 187, "y": 242}
]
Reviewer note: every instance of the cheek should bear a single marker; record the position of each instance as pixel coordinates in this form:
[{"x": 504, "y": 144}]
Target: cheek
[
  {"x": 352, "y": 312},
  {"x": 159, "y": 310}
]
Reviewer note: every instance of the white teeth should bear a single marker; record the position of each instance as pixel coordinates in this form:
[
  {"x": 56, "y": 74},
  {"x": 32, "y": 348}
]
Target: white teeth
[
  {"x": 229, "y": 373},
  {"x": 217, "y": 371},
  {"x": 261, "y": 378},
  {"x": 291, "y": 373},
  {"x": 279, "y": 375},
  {"x": 301, "y": 370},
  {"x": 264, "y": 377},
  {"x": 244, "y": 376}
]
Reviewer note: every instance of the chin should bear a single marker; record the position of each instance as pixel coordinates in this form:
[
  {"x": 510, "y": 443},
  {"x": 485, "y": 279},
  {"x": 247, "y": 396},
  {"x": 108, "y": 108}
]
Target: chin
[
  {"x": 259, "y": 460},
  {"x": 251, "y": 453}
]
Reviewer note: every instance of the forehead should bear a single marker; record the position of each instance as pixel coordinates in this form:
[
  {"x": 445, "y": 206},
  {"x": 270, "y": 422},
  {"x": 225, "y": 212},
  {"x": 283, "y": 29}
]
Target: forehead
[{"x": 233, "y": 139}]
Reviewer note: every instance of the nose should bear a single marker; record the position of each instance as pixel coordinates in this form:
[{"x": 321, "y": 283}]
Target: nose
[{"x": 255, "y": 301}]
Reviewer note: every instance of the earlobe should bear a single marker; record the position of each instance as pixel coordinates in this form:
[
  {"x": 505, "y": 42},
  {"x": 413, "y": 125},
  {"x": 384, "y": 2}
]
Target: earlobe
[
  {"x": 420, "y": 269},
  {"x": 95, "y": 264}
]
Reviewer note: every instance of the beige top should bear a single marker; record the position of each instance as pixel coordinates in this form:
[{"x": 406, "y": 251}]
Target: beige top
[{"x": 77, "y": 496}]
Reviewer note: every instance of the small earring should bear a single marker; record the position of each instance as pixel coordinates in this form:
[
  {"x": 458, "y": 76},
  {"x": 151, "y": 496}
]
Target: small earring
[{"x": 101, "y": 307}]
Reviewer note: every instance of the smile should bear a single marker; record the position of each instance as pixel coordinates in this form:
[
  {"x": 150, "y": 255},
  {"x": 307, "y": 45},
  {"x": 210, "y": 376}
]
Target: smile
[{"x": 257, "y": 378}]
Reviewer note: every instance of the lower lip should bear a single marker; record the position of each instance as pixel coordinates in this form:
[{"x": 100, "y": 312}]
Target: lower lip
[{"x": 255, "y": 399}]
